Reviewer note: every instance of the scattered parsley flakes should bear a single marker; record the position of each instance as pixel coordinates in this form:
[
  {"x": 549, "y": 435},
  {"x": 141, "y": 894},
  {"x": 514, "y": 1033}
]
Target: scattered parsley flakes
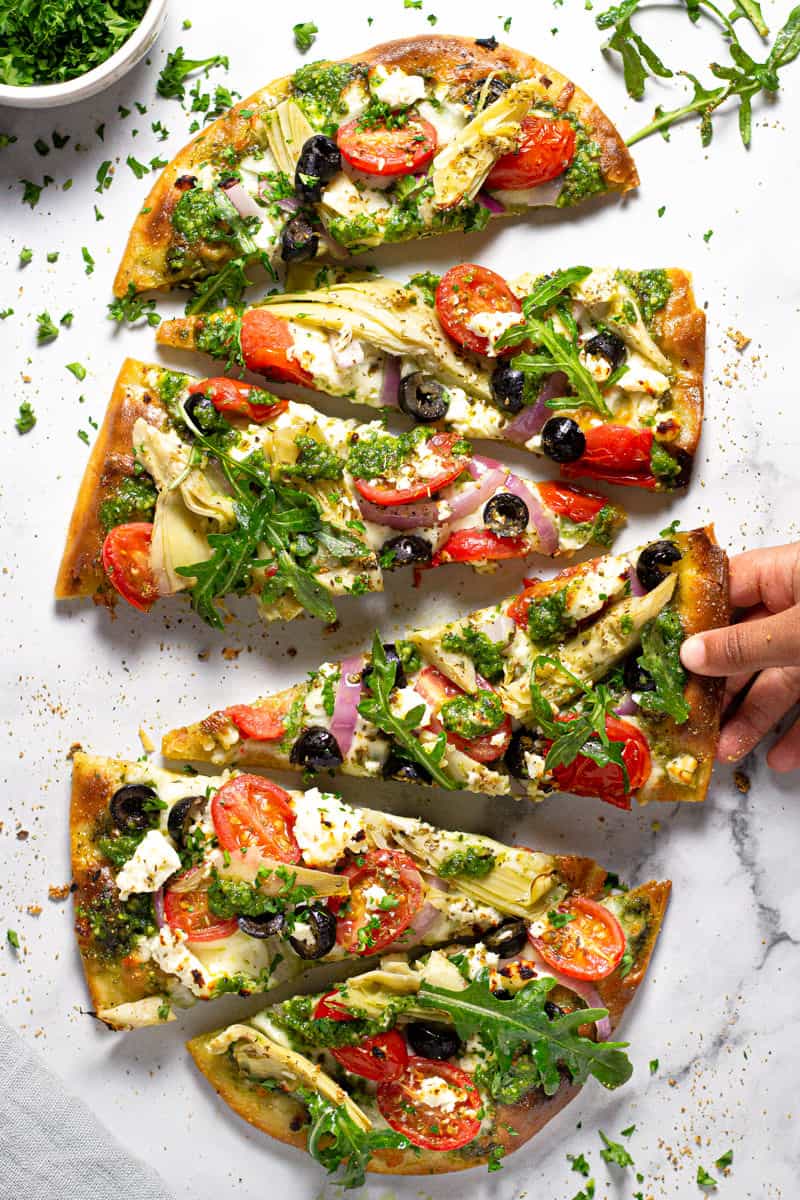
[
  {"x": 432, "y": 18},
  {"x": 12, "y": 937},
  {"x": 724, "y": 1161},
  {"x": 52, "y": 256},
  {"x": 98, "y": 216},
  {"x": 627, "y": 1132},
  {"x": 704, "y": 1180},
  {"x": 87, "y": 258},
  {"x": 77, "y": 369},
  {"x": 67, "y": 319},
  {"x": 187, "y": 24},
  {"x": 587, "y": 1193},
  {"x": 305, "y": 34},
  {"x": 139, "y": 169},
  {"x": 46, "y": 331},
  {"x": 6, "y": 312},
  {"x": 7, "y": 139},
  {"x": 26, "y": 419},
  {"x": 412, "y": 3},
  {"x": 25, "y": 256},
  {"x": 160, "y": 130},
  {"x": 653, "y": 1065},
  {"x": 104, "y": 174},
  {"x": 157, "y": 163},
  {"x": 707, "y": 236},
  {"x": 506, "y": 24},
  {"x": 41, "y": 147},
  {"x": 32, "y": 191},
  {"x": 175, "y": 70},
  {"x": 59, "y": 140},
  {"x": 614, "y": 1152},
  {"x": 83, "y": 435},
  {"x": 662, "y": 210},
  {"x": 131, "y": 308},
  {"x": 579, "y": 1163}
]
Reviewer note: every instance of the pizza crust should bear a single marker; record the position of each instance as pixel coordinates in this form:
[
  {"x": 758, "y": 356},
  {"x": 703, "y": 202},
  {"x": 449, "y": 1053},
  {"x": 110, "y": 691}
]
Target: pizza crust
[{"x": 449, "y": 60}]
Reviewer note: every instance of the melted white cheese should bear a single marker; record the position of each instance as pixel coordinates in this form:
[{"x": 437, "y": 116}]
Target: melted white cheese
[
  {"x": 492, "y": 325},
  {"x": 395, "y": 87},
  {"x": 324, "y": 827},
  {"x": 152, "y": 863}
]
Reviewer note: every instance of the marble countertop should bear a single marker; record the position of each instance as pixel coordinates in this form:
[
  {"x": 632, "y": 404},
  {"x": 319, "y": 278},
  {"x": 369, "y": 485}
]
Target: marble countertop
[{"x": 718, "y": 1010}]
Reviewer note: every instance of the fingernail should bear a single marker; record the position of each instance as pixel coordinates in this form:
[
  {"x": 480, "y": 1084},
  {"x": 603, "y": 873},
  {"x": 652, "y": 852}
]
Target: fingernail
[{"x": 693, "y": 654}]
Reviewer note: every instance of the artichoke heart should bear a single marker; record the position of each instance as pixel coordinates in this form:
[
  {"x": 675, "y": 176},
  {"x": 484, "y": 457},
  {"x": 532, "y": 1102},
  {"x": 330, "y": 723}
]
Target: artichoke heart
[
  {"x": 167, "y": 458},
  {"x": 460, "y": 169},
  {"x": 609, "y": 300},
  {"x": 179, "y": 540},
  {"x": 287, "y": 130}
]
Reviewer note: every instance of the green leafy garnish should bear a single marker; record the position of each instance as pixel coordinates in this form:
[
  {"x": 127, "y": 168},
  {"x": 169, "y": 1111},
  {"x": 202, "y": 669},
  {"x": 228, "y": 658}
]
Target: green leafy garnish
[
  {"x": 223, "y": 289},
  {"x": 427, "y": 282},
  {"x": 559, "y": 919},
  {"x": 485, "y": 654},
  {"x": 77, "y": 369},
  {"x": 579, "y": 1163},
  {"x": 340, "y": 1145},
  {"x": 724, "y": 1160},
  {"x": 177, "y": 67},
  {"x": 472, "y": 716},
  {"x": 56, "y": 40},
  {"x": 26, "y": 419},
  {"x": 615, "y": 1152},
  {"x": 131, "y": 308},
  {"x": 305, "y": 34},
  {"x": 662, "y": 639},
  {"x": 233, "y": 897},
  {"x": 403, "y": 730},
  {"x": 704, "y": 1180},
  {"x": 548, "y": 619},
  {"x": 46, "y": 330},
  {"x": 653, "y": 1065},
  {"x": 475, "y": 862},
  {"x": 12, "y": 937}
]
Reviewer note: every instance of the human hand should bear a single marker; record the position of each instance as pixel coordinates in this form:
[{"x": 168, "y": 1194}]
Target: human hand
[{"x": 761, "y": 650}]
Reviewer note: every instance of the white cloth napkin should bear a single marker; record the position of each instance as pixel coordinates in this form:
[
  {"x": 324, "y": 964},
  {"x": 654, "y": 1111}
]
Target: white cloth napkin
[{"x": 52, "y": 1147}]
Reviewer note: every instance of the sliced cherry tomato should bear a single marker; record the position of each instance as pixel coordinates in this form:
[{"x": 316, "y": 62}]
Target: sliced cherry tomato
[
  {"x": 403, "y": 1106},
  {"x": 382, "y": 491},
  {"x": 189, "y": 912},
  {"x": 126, "y": 562},
  {"x": 258, "y": 724},
  {"x": 266, "y": 341},
  {"x": 328, "y": 1009},
  {"x": 584, "y": 777},
  {"x": 233, "y": 396},
  {"x": 480, "y": 545},
  {"x": 616, "y": 454},
  {"x": 571, "y": 502},
  {"x": 463, "y": 292},
  {"x": 378, "y": 150},
  {"x": 251, "y": 811},
  {"x": 435, "y": 688},
  {"x": 363, "y": 929},
  {"x": 546, "y": 149},
  {"x": 381, "y": 1058},
  {"x": 589, "y": 946}
]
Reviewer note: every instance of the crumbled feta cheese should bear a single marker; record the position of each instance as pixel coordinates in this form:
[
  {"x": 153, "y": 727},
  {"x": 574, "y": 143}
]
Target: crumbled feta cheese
[
  {"x": 302, "y": 932},
  {"x": 479, "y": 959},
  {"x": 492, "y": 325},
  {"x": 588, "y": 593},
  {"x": 347, "y": 351},
  {"x": 395, "y": 87},
  {"x": 402, "y": 700},
  {"x": 534, "y": 765},
  {"x": 374, "y": 897},
  {"x": 682, "y": 769},
  {"x": 597, "y": 366},
  {"x": 154, "y": 860},
  {"x": 447, "y": 118},
  {"x": 641, "y": 377},
  {"x": 324, "y": 827},
  {"x": 435, "y": 1092},
  {"x": 168, "y": 950}
]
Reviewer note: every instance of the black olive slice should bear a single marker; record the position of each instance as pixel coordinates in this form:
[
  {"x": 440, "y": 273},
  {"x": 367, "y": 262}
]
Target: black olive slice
[
  {"x": 405, "y": 770},
  {"x": 268, "y": 925},
  {"x": 322, "y": 933},
  {"x": 635, "y": 678},
  {"x": 423, "y": 398},
  {"x": 522, "y": 742},
  {"x": 652, "y": 562},
  {"x": 433, "y": 1040},
  {"x": 507, "y": 939},
  {"x": 320, "y": 159},
  {"x": 299, "y": 241},
  {"x": 181, "y": 815},
  {"x": 489, "y": 43},
  {"x": 607, "y": 345},
  {"x": 390, "y": 650},
  {"x": 506, "y": 514},
  {"x": 508, "y": 388},
  {"x": 562, "y": 440},
  {"x": 407, "y": 549},
  {"x": 133, "y": 806},
  {"x": 317, "y": 749},
  {"x": 474, "y": 94}
]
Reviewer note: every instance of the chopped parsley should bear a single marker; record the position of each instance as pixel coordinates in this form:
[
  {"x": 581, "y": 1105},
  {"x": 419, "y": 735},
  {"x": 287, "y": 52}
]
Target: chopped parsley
[
  {"x": 46, "y": 331},
  {"x": 615, "y": 1152},
  {"x": 305, "y": 34},
  {"x": 25, "y": 256},
  {"x": 56, "y": 40},
  {"x": 170, "y": 83},
  {"x": 704, "y": 1180},
  {"x": 131, "y": 308},
  {"x": 88, "y": 260},
  {"x": 12, "y": 937},
  {"x": 26, "y": 419},
  {"x": 77, "y": 369}
]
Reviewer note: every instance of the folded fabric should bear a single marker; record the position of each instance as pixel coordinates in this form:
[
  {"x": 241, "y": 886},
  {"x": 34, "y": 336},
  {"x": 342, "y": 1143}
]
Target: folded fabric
[{"x": 51, "y": 1144}]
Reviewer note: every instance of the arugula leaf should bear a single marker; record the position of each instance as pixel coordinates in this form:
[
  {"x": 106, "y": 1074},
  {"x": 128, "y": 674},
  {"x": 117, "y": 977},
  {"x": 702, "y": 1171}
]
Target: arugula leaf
[
  {"x": 223, "y": 289},
  {"x": 615, "y": 1152},
  {"x": 704, "y": 1180},
  {"x": 526, "y": 1049},
  {"x": 662, "y": 639},
  {"x": 403, "y": 730},
  {"x": 178, "y": 66},
  {"x": 339, "y": 1144},
  {"x": 551, "y": 289}
]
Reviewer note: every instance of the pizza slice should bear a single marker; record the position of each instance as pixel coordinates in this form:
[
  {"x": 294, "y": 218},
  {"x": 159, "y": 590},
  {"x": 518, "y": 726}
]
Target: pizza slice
[
  {"x": 453, "y": 1060},
  {"x": 216, "y": 487},
  {"x": 188, "y": 889},
  {"x": 600, "y": 370},
  {"x": 574, "y": 685},
  {"x": 411, "y": 138}
]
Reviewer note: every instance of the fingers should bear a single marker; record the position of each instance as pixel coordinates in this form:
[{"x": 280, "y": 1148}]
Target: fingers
[
  {"x": 785, "y": 754},
  {"x": 735, "y": 683},
  {"x": 770, "y": 698},
  {"x": 770, "y": 576},
  {"x": 746, "y": 647}
]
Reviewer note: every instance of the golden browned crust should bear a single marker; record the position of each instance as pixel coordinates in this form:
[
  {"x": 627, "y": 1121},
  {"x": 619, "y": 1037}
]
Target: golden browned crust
[
  {"x": 206, "y": 740},
  {"x": 81, "y": 572},
  {"x": 283, "y": 1118},
  {"x": 456, "y": 61},
  {"x": 679, "y": 329}
]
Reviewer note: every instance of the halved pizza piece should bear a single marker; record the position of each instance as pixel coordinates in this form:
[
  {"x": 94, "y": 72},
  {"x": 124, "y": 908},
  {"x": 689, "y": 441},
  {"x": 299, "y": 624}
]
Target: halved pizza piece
[
  {"x": 189, "y": 888},
  {"x": 600, "y": 370},
  {"x": 411, "y": 138},
  {"x": 216, "y": 487},
  {"x": 453, "y": 1060},
  {"x": 574, "y": 685}
]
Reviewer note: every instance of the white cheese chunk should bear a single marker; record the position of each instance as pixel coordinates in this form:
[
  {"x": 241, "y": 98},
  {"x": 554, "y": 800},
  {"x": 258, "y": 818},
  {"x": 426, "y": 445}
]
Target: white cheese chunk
[
  {"x": 492, "y": 325},
  {"x": 435, "y": 1092},
  {"x": 681, "y": 769},
  {"x": 588, "y": 593},
  {"x": 154, "y": 860},
  {"x": 168, "y": 950},
  {"x": 395, "y": 87},
  {"x": 479, "y": 959},
  {"x": 374, "y": 897},
  {"x": 324, "y": 827},
  {"x": 402, "y": 700}
]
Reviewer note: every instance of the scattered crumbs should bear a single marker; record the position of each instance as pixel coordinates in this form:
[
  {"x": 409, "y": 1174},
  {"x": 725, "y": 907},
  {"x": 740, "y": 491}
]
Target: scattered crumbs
[
  {"x": 740, "y": 340},
  {"x": 35, "y": 910},
  {"x": 22, "y": 835},
  {"x": 230, "y": 653},
  {"x": 59, "y": 891},
  {"x": 204, "y": 655},
  {"x": 291, "y": 651},
  {"x": 148, "y": 745}
]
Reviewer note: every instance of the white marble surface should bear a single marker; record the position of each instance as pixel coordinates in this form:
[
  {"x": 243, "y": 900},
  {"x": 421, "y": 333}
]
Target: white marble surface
[{"x": 719, "y": 1007}]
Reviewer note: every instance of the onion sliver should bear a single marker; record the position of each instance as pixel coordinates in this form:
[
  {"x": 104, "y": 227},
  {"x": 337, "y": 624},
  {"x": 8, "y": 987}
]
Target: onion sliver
[
  {"x": 345, "y": 708},
  {"x": 490, "y": 202},
  {"x": 545, "y": 523},
  {"x": 243, "y": 202},
  {"x": 158, "y": 905},
  {"x": 390, "y": 388},
  {"x": 433, "y": 512},
  {"x": 581, "y": 987},
  {"x": 533, "y": 418},
  {"x": 636, "y": 585}
]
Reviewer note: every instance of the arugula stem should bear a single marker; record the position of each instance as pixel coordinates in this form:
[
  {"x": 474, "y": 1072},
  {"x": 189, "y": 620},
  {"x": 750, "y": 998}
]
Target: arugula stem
[{"x": 667, "y": 119}]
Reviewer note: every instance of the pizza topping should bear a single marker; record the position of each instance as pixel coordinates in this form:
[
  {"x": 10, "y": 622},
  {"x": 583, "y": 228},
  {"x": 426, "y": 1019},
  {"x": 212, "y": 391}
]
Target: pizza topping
[
  {"x": 320, "y": 159},
  {"x": 476, "y": 725},
  {"x": 615, "y": 453},
  {"x": 609, "y": 346},
  {"x": 562, "y": 439},
  {"x": 546, "y": 149},
  {"x": 317, "y": 750},
  {"x": 233, "y": 396},
  {"x": 251, "y": 811},
  {"x": 267, "y": 342},
  {"x": 188, "y": 912},
  {"x": 151, "y": 864},
  {"x": 395, "y": 87},
  {"x": 506, "y": 514},
  {"x": 598, "y": 774},
  {"x": 325, "y": 828},
  {"x": 313, "y": 932},
  {"x": 434, "y": 1104},
  {"x": 436, "y": 463},
  {"x": 508, "y": 388},
  {"x": 469, "y": 294},
  {"x": 388, "y": 146},
  {"x": 260, "y": 724},
  {"x": 380, "y": 1058},
  {"x": 422, "y": 397},
  {"x": 126, "y": 561},
  {"x": 582, "y": 939},
  {"x": 299, "y": 240},
  {"x": 133, "y": 807},
  {"x": 386, "y": 893},
  {"x": 654, "y": 561}
]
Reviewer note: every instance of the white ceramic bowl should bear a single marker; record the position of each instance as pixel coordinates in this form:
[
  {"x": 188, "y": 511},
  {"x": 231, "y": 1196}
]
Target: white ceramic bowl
[{"x": 53, "y": 95}]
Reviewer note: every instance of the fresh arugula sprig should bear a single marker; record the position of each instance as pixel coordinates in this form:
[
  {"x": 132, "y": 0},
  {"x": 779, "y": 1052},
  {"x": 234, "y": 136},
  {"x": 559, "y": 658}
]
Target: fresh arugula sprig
[
  {"x": 586, "y": 734},
  {"x": 742, "y": 80},
  {"x": 175, "y": 70},
  {"x": 555, "y": 351},
  {"x": 526, "y": 1049},
  {"x": 340, "y": 1145},
  {"x": 404, "y": 730}
]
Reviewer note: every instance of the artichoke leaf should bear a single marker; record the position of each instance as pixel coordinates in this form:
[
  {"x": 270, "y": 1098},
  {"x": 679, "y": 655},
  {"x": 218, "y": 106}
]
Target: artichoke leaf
[
  {"x": 609, "y": 300},
  {"x": 179, "y": 540},
  {"x": 167, "y": 457},
  {"x": 287, "y": 130}
]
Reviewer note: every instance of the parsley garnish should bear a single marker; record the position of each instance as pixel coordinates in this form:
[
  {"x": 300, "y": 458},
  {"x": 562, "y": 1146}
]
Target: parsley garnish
[
  {"x": 579, "y": 1163},
  {"x": 131, "y": 308},
  {"x": 26, "y": 419},
  {"x": 88, "y": 260},
  {"x": 704, "y": 1180},
  {"x": 724, "y": 1160},
  {"x": 653, "y": 1065},
  {"x": 339, "y": 1144},
  {"x": 177, "y": 67},
  {"x": 559, "y": 919},
  {"x": 25, "y": 256},
  {"x": 305, "y": 34},
  {"x": 615, "y": 1152},
  {"x": 46, "y": 331},
  {"x": 77, "y": 369},
  {"x": 12, "y": 937},
  {"x": 662, "y": 639},
  {"x": 55, "y": 41}
]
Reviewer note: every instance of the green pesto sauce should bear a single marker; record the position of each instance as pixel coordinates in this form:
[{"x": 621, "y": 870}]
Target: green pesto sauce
[
  {"x": 296, "y": 1017},
  {"x": 584, "y": 176},
  {"x": 116, "y": 925},
  {"x": 475, "y": 862},
  {"x": 315, "y": 460},
  {"x": 409, "y": 656},
  {"x": 196, "y": 217},
  {"x": 219, "y": 336},
  {"x": 652, "y": 289},
  {"x": 317, "y": 89},
  {"x": 380, "y": 454},
  {"x": 548, "y": 621},
  {"x": 134, "y": 500},
  {"x": 233, "y": 897},
  {"x": 472, "y": 716},
  {"x": 663, "y": 465},
  {"x": 356, "y": 233},
  {"x": 599, "y": 530},
  {"x": 485, "y": 654}
]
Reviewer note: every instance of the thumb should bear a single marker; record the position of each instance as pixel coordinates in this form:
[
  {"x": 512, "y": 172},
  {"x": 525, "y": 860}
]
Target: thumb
[{"x": 748, "y": 646}]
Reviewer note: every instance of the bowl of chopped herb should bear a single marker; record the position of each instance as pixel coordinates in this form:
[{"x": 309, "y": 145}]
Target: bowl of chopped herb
[{"x": 55, "y": 52}]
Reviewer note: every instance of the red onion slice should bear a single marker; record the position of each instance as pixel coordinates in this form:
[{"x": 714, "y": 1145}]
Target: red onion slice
[
  {"x": 490, "y": 202},
  {"x": 479, "y": 465},
  {"x": 345, "y": 708},
  {"x": 544, "y": 522},
  {"x": 289, "y": 204},
  {"x": 390, "y": 388},
  {"x": 243, "y": 202},
  {"x": 627, "y": 706},
  {"x": 158, "y": 905},
  {"x": 533, "y": 418},
  {"x": 581, "y": 987},
  {"x": 636, "y": 586}
]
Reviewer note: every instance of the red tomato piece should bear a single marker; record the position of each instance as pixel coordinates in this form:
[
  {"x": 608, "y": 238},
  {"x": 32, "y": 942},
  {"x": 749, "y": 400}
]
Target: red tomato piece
[
  {"x": 571, "y": 502},
  {"x": 266, "y": 341},
  {"x": 381, "y": 1058},
  {"x": 584, "y": 777},
  {"x": 403, "y": 1106},
  {"x": 463, "y": 292},
  {"x": 379, "y": 150},
  {"x": 363, "y": 929},
  {"x": 382, "y": 491},
  {"x": 546, "y": 149},
  {"x": 480, "y": 545},
  {"x": 616, "y": 454},
  {"x": 234, "y": 396},
  {"x": 189, "y": 912},
  {"x": 436, "y": 688},
  {"x": 258, "y": 724},
  {"x": 328, "y": 1009},
  {"x": 251, "y": 811},
  {"x": 126, "y": 562},
  {"x": 589, "y": 946}
]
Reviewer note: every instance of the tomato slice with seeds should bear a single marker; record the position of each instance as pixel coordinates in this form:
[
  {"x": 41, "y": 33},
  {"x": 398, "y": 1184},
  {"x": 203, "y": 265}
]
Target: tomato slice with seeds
[
  {"x": 189, "y": 912},
  {"x": 251, "y": 811},
  {"x": 365, "y": 929},
  {"x": 384, "y": 492},
  {"x": 574, "y": 503},
  {"x": 257, "y": 724},
  {"x": 266, "y": 341},
  {"x": 126, "y": 562},
  {"x": 463, "y": 292},
  {"x": 380, "y": 150},
  {"x": 589, "y": 946},
  {"x": 432, "y": 1127},
  {"x": 547, "y": 147},
  {"x": 234, "y": 396},
  {"x": 480, "y": 545},
  {"x": 616, "y": 454},
  {"x": 436, "y": 688},
  {"x": 327, "y": 1009},
  {"x": 584, "y": 777},
  {"x": 381, "y": 1058}
]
